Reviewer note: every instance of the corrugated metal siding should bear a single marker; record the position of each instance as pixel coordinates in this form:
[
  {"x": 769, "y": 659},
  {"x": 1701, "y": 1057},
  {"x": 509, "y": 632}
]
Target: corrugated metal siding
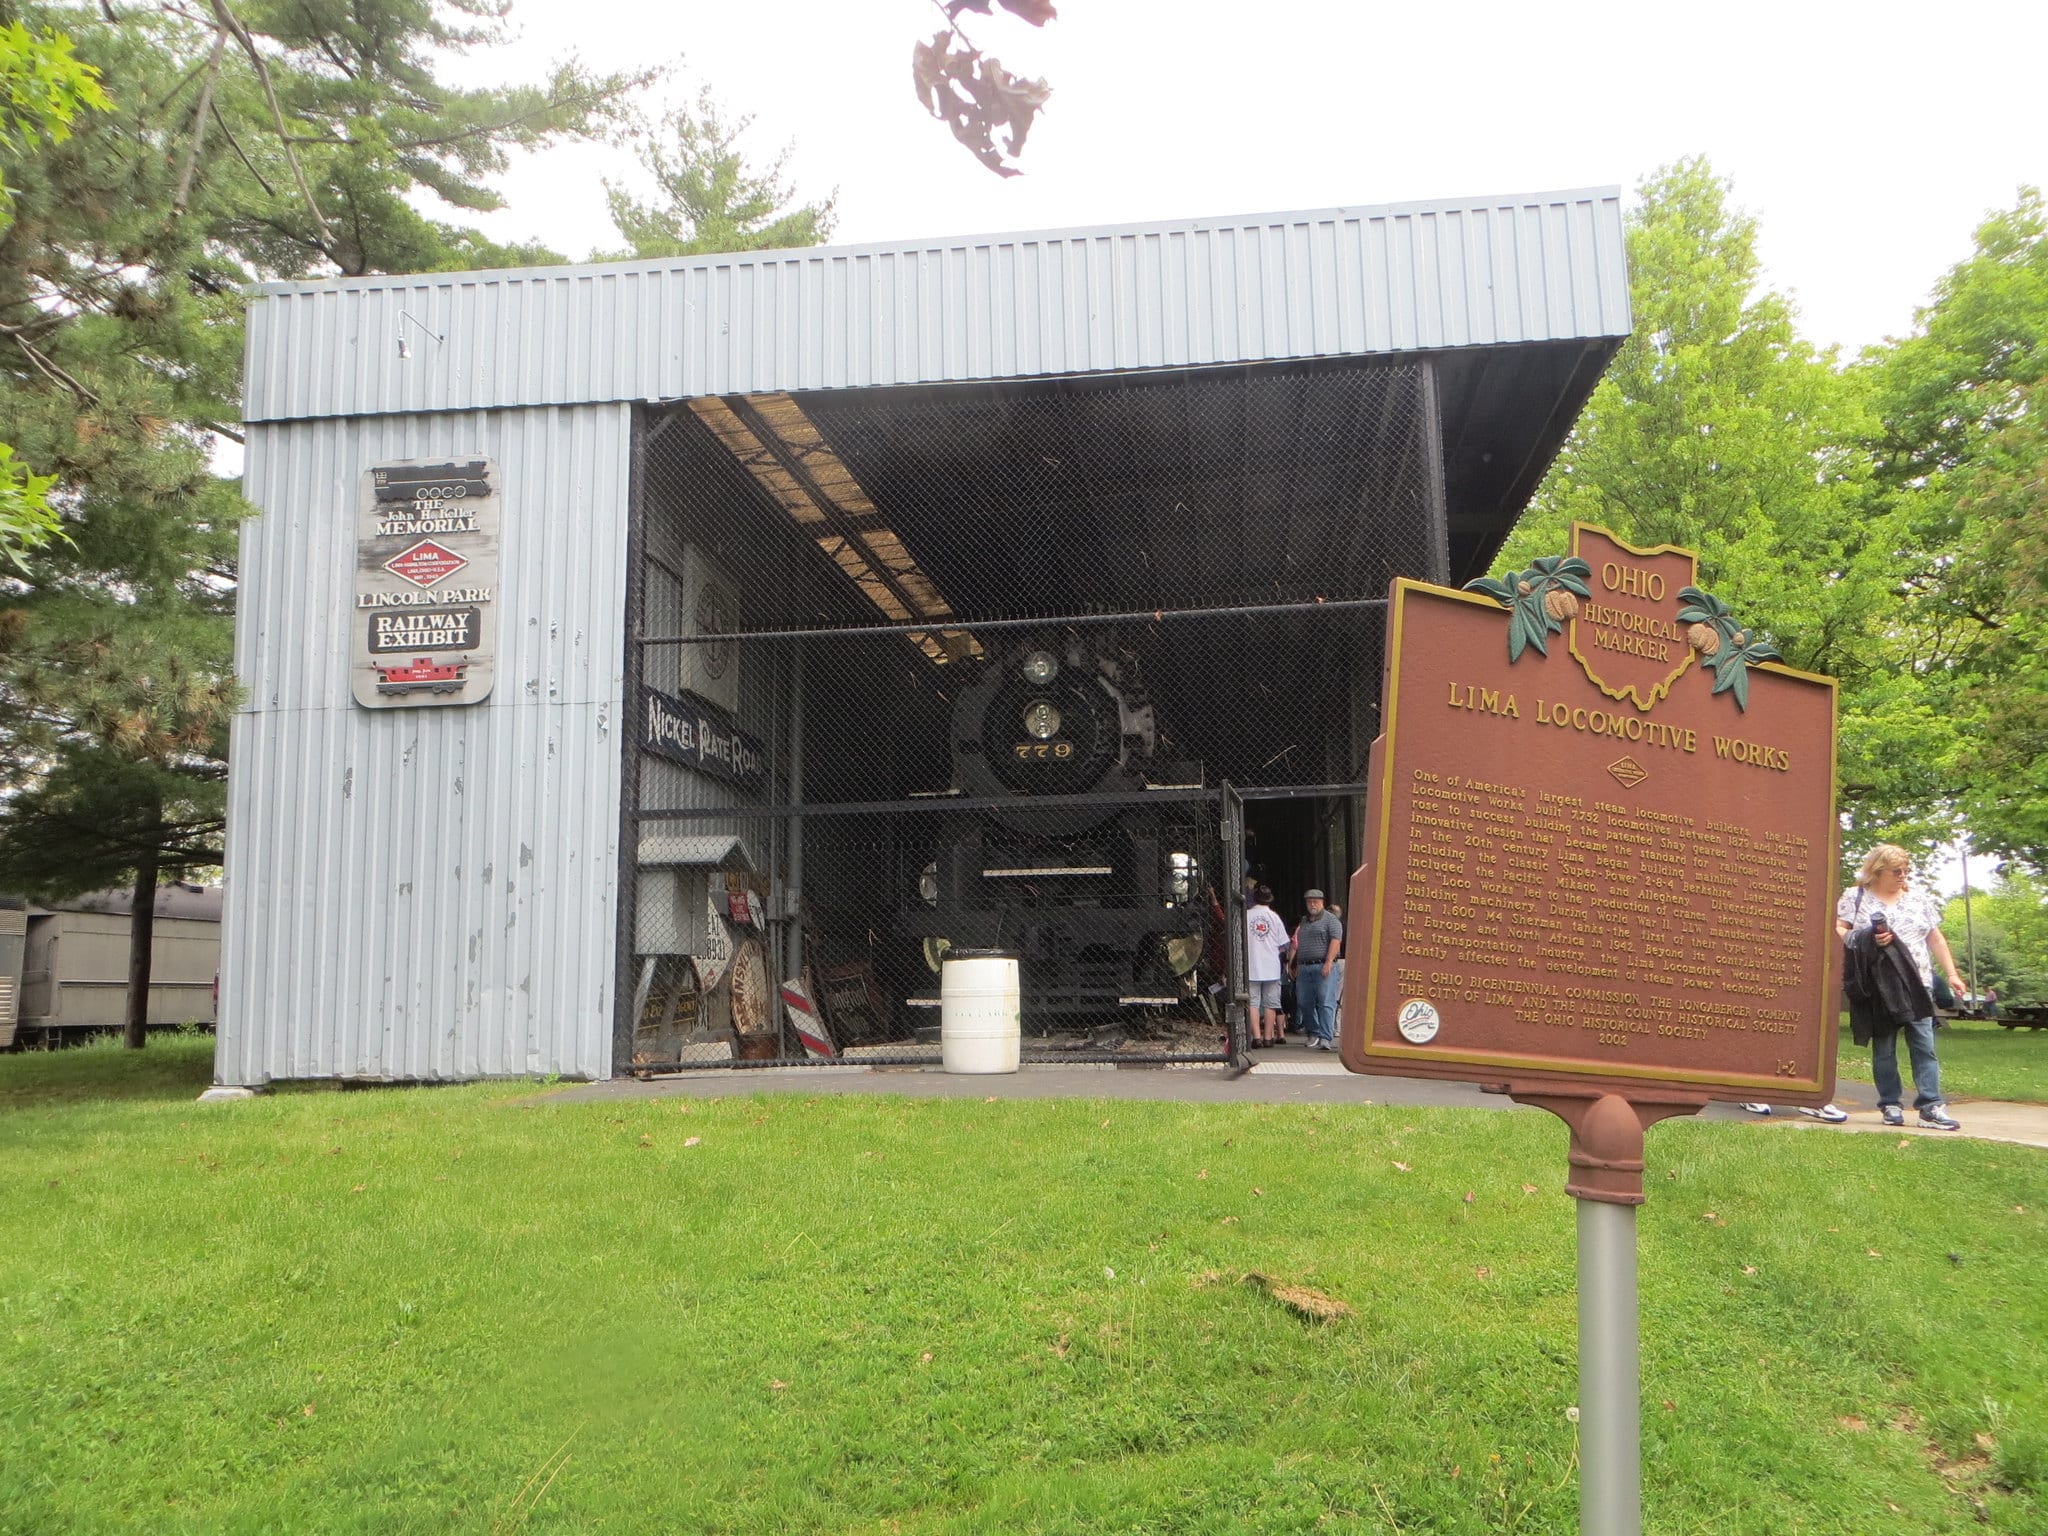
[
  {"x": 427, "y": 893},
  {"x": 1334, "y": 282}
]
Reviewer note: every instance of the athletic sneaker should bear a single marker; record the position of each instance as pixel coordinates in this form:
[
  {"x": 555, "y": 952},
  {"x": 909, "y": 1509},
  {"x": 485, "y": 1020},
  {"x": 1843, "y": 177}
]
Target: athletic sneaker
[
  {"x": 1827, "y": 1112},
  {"x": 1758, "y": 1109},
  {"x": 1893, "y": 1115},
  {"x": 1935, "y": 1117}
]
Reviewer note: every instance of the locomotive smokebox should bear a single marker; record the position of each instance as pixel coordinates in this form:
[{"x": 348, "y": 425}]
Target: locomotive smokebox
[{"x": 1076, "y": 856}]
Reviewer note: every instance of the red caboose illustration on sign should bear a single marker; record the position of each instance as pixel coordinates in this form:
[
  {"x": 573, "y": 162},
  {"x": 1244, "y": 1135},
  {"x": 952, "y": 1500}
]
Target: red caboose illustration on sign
[{"x": 421, "y": 674}]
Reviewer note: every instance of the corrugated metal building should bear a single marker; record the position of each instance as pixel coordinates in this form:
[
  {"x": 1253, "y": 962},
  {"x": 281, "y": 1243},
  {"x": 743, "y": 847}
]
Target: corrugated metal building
[{"x": 418, "y": 893}]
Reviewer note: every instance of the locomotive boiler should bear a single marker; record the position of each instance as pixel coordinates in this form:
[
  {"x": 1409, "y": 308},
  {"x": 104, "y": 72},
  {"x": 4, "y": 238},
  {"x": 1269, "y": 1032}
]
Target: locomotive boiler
[{"x": 1070, "y": 849}]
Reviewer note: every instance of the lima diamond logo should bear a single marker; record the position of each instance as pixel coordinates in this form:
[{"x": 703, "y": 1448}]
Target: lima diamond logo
[
  {"x": 1628, "y": 772},
  {"x": 425, "y": 563}
]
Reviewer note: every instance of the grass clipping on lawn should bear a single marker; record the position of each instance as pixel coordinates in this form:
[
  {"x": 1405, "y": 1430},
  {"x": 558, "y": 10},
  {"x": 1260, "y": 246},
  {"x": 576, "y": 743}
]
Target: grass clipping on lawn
[{"x": 1311, "y": 1304}]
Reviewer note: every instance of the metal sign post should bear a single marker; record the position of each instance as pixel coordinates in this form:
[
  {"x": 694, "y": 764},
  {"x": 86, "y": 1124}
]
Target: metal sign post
[
  {"x": 1584, "y": 769},
  {"x": 1610, "y": 1393},
  {"x": 1606, "y": 1180}
]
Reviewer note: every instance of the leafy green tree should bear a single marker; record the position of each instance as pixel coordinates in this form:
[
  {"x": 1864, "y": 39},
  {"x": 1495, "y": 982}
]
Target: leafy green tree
[
  {"x": 1718, "y": 429},
  {"x": 243, "y": 141},
  {"x": 27, "y": 520},
  {"x": 708, "y": 198},
  {"x": 2008, "y": 926},
  {"x": 1962, "y": 452},
  {"x": 43, "y": 88}
]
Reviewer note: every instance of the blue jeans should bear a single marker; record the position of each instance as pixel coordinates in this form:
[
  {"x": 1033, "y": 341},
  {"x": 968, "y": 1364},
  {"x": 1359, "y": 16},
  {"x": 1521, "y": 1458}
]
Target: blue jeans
[
  {"x": 1315, "y": 1001},
  {"x": 1884, "y": 1064}
]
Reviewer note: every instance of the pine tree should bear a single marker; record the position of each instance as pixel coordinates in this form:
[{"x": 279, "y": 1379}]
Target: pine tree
[
  {"x": 44, "y": 86},
  {"x": 244, "y": 142},
  {"x": 709, "y": 199}
]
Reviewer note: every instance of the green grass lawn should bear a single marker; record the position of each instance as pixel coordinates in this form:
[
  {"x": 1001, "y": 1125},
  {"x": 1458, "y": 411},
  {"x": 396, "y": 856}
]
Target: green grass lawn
[
  {"x": 473, "y": 1310},
  {"x": 1978, "y": 1061}
]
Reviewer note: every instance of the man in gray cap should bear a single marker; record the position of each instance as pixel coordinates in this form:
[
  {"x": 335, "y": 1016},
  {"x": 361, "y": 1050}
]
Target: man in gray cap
[{"x": 1318, "y": 943}]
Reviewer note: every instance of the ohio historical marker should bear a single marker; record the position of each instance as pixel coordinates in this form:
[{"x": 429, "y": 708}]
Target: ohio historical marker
[{"x": 1601, "y": 839}]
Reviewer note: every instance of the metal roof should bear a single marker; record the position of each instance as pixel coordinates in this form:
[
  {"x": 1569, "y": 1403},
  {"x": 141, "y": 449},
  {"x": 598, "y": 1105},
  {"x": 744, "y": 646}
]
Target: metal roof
[
  {"x": 201, "y": 903},
  {"x": 1426, "y": 276}
]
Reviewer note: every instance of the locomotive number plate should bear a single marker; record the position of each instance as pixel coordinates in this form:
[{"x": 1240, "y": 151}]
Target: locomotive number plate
[{"x": 1042, "y": 751}]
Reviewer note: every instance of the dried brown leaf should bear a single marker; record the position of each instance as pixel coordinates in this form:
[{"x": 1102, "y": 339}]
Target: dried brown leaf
[
  {"x": 976, "y": 97},
  {"x": 928, "y": 71},
  {"x": 1402, "y": 1168}
]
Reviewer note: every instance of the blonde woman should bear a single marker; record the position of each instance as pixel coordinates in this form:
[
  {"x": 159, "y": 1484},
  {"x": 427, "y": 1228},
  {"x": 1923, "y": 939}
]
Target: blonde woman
[{"x": 1884, "y": 903}]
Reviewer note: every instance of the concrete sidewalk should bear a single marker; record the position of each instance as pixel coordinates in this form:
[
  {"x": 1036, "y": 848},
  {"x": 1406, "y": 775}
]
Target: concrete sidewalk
[
  {"x": 1983, "y": 1119},
  {"x": 1284, "y": 1075}
]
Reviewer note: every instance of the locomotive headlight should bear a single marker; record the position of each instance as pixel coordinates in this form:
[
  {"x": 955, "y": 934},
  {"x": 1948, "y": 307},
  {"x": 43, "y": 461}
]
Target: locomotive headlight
[
  {"x": 928, "y": 884},
  {"x": 1040, "y": 668},
  {"x": 1042, "y": 721}
]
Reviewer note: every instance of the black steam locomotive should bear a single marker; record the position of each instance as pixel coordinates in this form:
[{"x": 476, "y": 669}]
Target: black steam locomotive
[
  {"x": 444, "y": 482},
  {"x": 1102, "y": 896}
]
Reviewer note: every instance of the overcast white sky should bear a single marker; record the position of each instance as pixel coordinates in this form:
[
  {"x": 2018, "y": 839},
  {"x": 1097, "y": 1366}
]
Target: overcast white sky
[{"x": 1868, "y": 138}]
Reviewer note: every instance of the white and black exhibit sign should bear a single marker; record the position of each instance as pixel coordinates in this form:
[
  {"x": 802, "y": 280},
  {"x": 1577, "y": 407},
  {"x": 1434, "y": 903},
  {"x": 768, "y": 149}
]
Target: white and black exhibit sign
[{"x": 425, "y": 624}]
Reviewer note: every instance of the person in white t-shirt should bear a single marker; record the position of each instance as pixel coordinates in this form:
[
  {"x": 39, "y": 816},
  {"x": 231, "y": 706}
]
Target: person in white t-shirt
[{"x": 1265, "y": 940}]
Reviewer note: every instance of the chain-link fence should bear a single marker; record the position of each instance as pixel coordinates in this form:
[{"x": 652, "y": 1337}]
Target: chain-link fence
[{"x": 1046, "y": 668}]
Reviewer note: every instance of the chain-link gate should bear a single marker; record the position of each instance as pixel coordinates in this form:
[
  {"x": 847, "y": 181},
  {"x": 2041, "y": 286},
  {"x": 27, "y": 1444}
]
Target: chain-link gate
[{"x": 1046, "y": 667}]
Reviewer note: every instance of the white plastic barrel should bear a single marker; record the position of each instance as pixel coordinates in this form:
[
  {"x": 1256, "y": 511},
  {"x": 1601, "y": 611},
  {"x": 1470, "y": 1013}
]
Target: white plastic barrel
[{"x": 979, "y": 1011}]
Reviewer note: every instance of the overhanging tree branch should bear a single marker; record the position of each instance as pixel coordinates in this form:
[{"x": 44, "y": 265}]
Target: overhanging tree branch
[
  {"x": 199, "y": 121},
  {"x": 229, "y": 20}
]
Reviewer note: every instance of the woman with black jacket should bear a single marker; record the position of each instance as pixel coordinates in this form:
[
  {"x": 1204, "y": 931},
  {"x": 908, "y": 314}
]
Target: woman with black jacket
[{"x": 1893, "y": 934}]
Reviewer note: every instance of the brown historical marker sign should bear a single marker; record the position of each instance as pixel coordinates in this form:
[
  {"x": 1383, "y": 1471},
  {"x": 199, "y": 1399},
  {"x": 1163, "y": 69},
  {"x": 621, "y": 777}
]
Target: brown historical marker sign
[{"x": 1601, "y": 841}]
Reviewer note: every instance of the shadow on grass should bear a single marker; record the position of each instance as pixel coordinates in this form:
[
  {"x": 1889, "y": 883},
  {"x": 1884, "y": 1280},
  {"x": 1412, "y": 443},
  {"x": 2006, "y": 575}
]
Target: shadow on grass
[{"x": 170, "y": 1067}]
